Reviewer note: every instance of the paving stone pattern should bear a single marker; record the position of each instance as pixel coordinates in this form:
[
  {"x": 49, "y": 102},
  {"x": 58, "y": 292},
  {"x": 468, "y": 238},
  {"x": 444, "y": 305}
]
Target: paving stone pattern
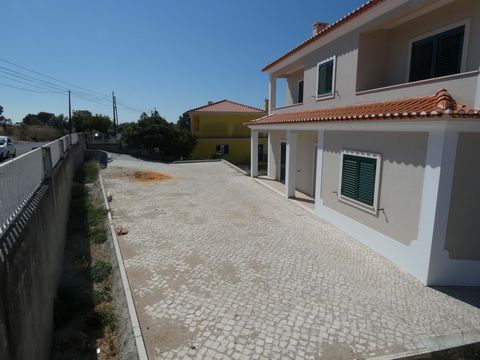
[{"x": 221, "y": 267}]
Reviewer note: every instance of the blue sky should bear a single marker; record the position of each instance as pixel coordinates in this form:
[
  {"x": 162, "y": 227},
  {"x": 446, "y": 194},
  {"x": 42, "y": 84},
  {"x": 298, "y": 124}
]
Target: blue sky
[{"x": 171, "y": 55}]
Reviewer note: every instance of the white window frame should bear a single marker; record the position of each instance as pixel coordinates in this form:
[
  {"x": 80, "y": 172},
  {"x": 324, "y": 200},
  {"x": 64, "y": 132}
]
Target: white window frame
[
  {"x": 334, "y": 77},
  {"x": 466, "y": 37},
  {"x": 378, "y": 157}
]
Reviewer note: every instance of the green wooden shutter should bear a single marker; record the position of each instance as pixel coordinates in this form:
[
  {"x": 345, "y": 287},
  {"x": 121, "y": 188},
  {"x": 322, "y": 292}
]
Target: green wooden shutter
[
  {"x": 350, "y": 176},
  {"x": 422, "y": 58},
  {"x": 366, "y": 181},
  {"x": 358, "y": 178},
  {"x": 449, "y": 52},
  {"x": 325, "y": 78},
  {"x": 438, "y": 55}
]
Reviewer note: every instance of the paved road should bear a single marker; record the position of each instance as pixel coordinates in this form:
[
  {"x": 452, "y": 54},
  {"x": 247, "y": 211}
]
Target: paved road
[
  {"x": 24, "y": 147},
  {"x": 223, "y": 268}
]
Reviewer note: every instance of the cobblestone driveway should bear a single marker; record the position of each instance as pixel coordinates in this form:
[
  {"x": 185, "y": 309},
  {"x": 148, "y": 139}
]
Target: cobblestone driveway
[{"x": 221, "y": 267}]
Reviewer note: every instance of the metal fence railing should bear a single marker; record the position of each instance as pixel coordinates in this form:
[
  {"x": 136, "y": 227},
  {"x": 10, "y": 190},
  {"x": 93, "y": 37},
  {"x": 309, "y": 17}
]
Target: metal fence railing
[{"x": 21, "y": 177}]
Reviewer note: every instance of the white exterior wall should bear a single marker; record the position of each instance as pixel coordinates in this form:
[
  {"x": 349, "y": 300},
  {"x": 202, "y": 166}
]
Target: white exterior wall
[
  {"x": 383, "y": 62},
  {"x": 305, "y": 158},
  {"x": 415, "y": 189}
]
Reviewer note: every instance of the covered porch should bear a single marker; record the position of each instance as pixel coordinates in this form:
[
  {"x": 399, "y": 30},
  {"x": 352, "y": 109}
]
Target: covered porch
[{"x": 294, "y": 164}]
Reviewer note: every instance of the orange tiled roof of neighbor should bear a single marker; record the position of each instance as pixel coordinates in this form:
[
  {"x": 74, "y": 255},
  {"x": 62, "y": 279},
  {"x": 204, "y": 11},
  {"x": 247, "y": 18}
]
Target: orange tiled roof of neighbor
[
  {"x": 417, "y": 107},
  {"x": 226, "y": 106},
  {"x": 328, "y": 29}
]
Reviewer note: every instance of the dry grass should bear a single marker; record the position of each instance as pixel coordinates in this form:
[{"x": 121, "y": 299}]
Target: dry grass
[{"x": 150, "y": 176}]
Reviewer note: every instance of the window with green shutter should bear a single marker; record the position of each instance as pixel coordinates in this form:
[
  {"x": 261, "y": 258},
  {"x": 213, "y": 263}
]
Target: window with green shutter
[
  {"x": 438, "y": 55},
  {"x": 325, "y": 80},
  {"x": 359, "y": 178}
]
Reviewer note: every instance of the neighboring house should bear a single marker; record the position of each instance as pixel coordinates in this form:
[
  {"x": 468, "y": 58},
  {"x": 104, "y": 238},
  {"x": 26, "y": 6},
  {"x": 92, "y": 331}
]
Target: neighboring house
[
  {"x": 220, "y": 131},
  {"x": 381, "y": 130}
]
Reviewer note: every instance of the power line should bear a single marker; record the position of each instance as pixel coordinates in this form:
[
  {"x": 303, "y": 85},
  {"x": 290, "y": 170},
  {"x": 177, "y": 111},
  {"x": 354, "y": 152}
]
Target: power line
[
  {"x": 29, "y": 90},
  {"x": 51, "y": 77},
  {"x": 27, "y": 83},
  {"x": 46, "y": 86}
]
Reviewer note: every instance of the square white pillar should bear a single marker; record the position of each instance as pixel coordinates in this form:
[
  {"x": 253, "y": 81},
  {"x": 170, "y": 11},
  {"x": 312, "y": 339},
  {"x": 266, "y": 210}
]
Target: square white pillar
[
  {"x": 435, "y": 203},
  {"x": 272, "y": 91},
  {"x": 270, "y": 156},
  {"x": 319, "y": 167},
  {"x": 291, "y": 164},
  {"x": 254, "y": 154}
]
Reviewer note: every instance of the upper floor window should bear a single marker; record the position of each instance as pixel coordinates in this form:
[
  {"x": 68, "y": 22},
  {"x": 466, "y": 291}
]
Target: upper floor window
[
  {"x": 326, "y": 78},
  {"x": 300, "y": 91},
  {"x": 437, "y": 55}
]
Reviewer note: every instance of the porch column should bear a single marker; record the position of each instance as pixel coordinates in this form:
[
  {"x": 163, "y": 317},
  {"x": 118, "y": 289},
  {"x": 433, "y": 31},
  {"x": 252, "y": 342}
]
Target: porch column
[
  {"x": 272, "y": 91},
  {"x": 291, "y": 164},
  {"x": 254, "y": 154},
  {"x": 319, "y": 167},
  {"x": 435, "y": 202},
  {"x": 270, "y": 156}
]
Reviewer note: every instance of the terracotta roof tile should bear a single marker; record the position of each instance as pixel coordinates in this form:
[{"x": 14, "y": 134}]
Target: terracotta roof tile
[
  {"x": 328, "y": 29},
  {"x": 226, "y": 106},
  {"x": 417, "y": 107}
]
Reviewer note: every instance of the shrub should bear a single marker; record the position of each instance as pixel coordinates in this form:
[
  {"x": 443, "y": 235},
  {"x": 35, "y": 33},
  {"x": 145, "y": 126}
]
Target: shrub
[
  {"x": 100, "y": 271},
  {"x": 102, "y": 295},
  {"x": 95, "y": 214},
  {"x": 91, "y": 171},
  {"x": 98, "y": 235}
]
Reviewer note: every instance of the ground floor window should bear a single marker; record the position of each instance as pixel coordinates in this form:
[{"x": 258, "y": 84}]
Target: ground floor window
[
  {"x": 359, "y": 180},
  {"x": 223, "y": 148}
]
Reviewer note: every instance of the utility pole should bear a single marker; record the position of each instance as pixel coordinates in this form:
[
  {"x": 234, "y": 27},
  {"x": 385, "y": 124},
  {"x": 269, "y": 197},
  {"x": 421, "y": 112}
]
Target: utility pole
[
  {"x": 114, "y": 109},
  {"x": 69, "y": 112}
]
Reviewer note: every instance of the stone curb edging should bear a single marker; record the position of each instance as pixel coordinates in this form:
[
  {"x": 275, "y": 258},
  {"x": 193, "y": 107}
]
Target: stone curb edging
[
  {"x": 228, "y": 163},
  {"x": 436, "y": 344},
  {"x": 234, "y": 167},
  {"x": 137, "y": 332},
  {"x": 195, "y": 161}
]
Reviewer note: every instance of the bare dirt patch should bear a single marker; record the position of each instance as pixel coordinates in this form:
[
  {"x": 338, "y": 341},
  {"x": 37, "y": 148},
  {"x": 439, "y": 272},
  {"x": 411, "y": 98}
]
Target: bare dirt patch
[
  {"x": 228, "y": 271},
  {"x": 193, "y": 260},
  {"x": 168, "y": 335},
  {"x": 145, "y": 176}
]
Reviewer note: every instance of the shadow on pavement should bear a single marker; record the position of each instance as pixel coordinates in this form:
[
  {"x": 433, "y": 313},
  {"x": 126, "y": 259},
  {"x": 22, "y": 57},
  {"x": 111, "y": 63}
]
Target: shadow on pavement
[{"x": 467, "y": 294}]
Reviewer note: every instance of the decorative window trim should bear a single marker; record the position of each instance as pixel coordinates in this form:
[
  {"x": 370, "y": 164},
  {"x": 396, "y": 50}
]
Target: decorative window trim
[
  {"x": 466, "y": 37},
  {"x": 334, "y": 77},
  {"x": 378, "y": 157}
]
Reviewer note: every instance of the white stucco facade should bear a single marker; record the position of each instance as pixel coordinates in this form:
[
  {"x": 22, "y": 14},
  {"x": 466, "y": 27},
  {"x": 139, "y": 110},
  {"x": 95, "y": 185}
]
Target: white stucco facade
[{"x": 422, "y": 216}]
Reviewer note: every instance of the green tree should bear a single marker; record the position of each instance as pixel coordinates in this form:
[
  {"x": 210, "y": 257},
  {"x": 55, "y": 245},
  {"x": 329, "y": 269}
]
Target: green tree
[
  {"x": 3, "y": 120},
  {"x": 83, "y": 120},
  {"x": 46, "y": 118},
  {"x": 156, "y": 135},
  {"x": 184, "y": 121}
]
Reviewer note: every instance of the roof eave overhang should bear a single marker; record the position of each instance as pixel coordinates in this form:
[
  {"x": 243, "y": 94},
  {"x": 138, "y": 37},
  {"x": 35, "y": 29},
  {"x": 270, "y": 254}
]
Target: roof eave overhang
[
  {"x": 330, "y": 35},
  {"x": 414, "y": 125}
]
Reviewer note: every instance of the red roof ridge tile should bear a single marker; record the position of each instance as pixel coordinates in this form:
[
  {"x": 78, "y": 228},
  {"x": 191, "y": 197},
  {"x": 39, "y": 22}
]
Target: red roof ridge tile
[
  {"x": 346, "y": 18},
  {"x": 428, "y": 106},
  {"x": 204, "y": 107}
]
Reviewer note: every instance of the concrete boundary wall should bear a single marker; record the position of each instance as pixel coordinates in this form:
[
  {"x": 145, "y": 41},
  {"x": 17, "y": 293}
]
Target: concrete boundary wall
[
  {"x": 20, "y": 177},
  {"x": 33, "y": 248}
]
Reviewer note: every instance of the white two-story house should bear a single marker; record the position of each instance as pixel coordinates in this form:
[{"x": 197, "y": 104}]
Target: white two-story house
[{"x": 381, "y": 128}]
